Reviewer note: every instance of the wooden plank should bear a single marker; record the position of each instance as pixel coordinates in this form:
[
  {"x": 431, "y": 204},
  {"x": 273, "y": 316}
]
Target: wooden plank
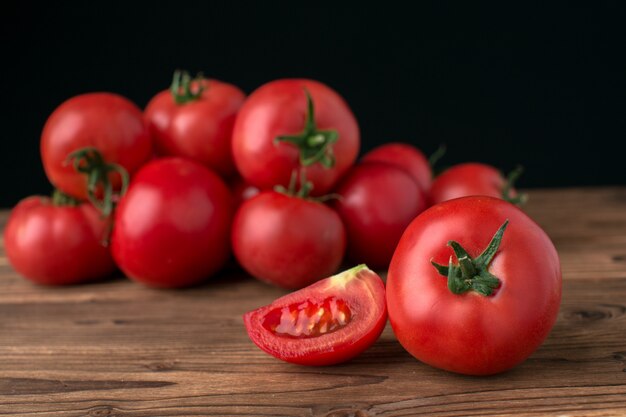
[{"x": 119, "y": 349}]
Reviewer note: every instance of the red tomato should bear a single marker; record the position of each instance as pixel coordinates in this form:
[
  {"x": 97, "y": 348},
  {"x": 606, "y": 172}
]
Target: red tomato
[
  {"x": 499, "y": 294},
  {"x": 196, "y": 124},
  {"x": 474, "y": 178},
  {"x": 172, "y": 226},
  {"x": 287, "y": 241},
  {"x": 406, "y": 157},
  {"x": 242, "y": 191},
  {"x": 378, "y": 201},
  {"x": 108, "y": 122},
  {"x": 55, "y": 244},
  {"x": 279, "y": 114},
  {"x": 329, "y": 322}
]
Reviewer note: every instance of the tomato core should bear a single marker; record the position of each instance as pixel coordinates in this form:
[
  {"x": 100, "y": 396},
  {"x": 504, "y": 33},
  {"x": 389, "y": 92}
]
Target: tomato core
[{"x": 308, "y": 319}]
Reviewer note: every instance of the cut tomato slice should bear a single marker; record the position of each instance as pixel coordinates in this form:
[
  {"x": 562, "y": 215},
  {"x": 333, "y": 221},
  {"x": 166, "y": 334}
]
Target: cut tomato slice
[{"x": 328, "y": 322}]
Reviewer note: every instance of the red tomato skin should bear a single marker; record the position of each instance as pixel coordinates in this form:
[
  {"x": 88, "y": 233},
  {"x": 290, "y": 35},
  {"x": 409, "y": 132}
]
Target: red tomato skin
[
  {"x": 467, "y": 179},
  {"x": 172, "y": 226},
  {"x": 365, "y": 296},
  {"x": 378, "y": 201},
  {"x": 242, "y": 191},
  {"x": 201, "y": 129},
  {"x": 106, "y": 121},
  {"x": 287, "y": 241},
  {"x": 406, "y": 157},
  {"x": 470, "y": 333},
  {"x": 279, "y": 108},
  {"x": 57, "y": 245}
]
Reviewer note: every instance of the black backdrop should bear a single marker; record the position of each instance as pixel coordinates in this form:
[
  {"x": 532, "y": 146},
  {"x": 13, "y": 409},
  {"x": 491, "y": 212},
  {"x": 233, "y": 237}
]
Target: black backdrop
[{"x": 544, "y": 87}]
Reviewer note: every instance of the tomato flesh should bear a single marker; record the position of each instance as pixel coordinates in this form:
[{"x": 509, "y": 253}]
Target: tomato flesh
[
  {"x": 308, "y": 319},
  {"x": 328, "y": 322}
]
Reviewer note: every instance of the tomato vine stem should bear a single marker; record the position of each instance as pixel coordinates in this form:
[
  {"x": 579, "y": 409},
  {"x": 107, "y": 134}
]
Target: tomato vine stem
[
  {"x": 314, "y": 145},
  {"x": 472, "y": 274},
  {"x": 59, "y": 198},
  {"x": 181, "y": 87},
  {"x": 90, "y": 162},
  {"x": 507, "y": 190}
]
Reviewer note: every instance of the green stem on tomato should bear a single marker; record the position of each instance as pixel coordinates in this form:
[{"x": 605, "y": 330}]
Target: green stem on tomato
[
  {"x": 59, "y": 198},
  {"x": 90, "y": 162},
  {"x": 507, "y": 189},
  {"x": 436, "y": 156},
  {"x": 181, "y": 87},
  {"x": 314, "y": 145},
  {"x": 472, "y": 274}
]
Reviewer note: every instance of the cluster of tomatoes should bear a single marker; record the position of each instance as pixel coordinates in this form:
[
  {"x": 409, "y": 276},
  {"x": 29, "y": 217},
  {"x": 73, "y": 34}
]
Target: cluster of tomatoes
[{"x": 166, "y": 195}]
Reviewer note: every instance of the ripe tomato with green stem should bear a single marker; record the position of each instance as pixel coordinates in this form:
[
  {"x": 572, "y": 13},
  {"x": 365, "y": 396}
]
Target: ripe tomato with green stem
[
  {"x": 474, "y": 286},
  {"x": 289, "y": 123},
  {"x": 172, "y": 226},
  {"x": 194, "y": 119},
  {"x": 328, "y": 322},
  {"x": 58, "y": 240},
  {"x": 106, "y": 122},
  {"x": 473, "y": 178},
  {"x": 286, "y": 238}
]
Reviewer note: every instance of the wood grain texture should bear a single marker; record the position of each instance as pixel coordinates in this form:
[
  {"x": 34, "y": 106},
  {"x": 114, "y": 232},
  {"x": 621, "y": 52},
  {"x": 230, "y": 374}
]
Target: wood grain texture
[{"x": 119, "y": 349}]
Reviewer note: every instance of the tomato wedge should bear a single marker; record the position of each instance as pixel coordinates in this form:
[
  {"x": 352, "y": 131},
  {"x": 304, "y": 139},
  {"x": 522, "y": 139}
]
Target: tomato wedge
[{"x": 328, "y": 322}]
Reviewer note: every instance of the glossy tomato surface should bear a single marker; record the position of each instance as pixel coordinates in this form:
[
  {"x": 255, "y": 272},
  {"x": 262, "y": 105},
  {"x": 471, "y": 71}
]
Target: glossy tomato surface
[
  {"x": 288, "y": 241},
  {"x": 326, "y": 323},
  {"x": 406, "y": 157},
  {"x": 109, "y": 122},
  {"x": 279, "y": 108},
  {"x": 471, "y": 333},
  {"x": 242, "y": 191},
  {"x": 377, "y": 202},
  {"x": 172, "y": 227},
  {"x": 57, "y": 245},
  {"x": 200, "y": 129},
  {"x": 468, "y": 179}
]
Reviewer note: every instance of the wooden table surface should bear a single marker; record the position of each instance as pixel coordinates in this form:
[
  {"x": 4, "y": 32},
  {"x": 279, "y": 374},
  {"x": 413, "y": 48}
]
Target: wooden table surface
[{"x": 120, "y": 349}]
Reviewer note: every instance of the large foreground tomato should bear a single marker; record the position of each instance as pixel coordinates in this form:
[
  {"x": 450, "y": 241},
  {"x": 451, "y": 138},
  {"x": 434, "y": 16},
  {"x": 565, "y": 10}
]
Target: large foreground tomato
[
  {"x": 377, "y": 202},
  {"x": 57, "y": 242},
  {"x": 195, "y": 119},
  {"x": 474, "y": 178},
  {"x": 172, "y": 227},
  {"x": 288, "y": 240},
  {"x": 286, "y": 123},
  {"x": 474, "y": 286},
  {"x": 329, "y": 322},
  {"x": 104, "y": 121},
  {"x": 406, "y": 157}
]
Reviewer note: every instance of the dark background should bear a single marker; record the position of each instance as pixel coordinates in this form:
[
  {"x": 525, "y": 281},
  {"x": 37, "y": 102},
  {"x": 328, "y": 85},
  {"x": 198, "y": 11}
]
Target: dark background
[{"x": 544, "y": 87}]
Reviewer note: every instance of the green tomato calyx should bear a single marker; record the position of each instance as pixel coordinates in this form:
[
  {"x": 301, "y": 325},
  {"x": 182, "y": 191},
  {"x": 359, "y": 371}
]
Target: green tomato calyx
[
  {"x": 60, "y": 199},
  {"x": 181, "y": 87},
  {"x": 507, "y": 190},
  {"x": 314, "y": 145},
  {"x": 90, "y": 162},
  {"x": 472, "y": 274}
]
